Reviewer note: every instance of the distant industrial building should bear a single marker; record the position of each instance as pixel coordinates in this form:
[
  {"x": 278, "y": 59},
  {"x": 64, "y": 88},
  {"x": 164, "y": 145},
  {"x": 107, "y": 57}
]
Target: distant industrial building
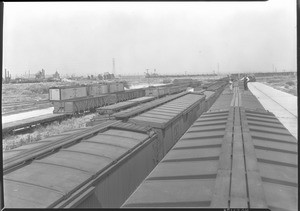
[
  {"x": 40, "y": 76},
  {"x": 7, "y": 77}
]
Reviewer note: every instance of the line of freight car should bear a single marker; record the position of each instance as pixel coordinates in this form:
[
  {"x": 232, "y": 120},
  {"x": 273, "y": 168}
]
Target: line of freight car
[
  {"x": 79, "y": 105},
  {"x": 124, "y": 115},
  {"x": 210, "y": 97},
  {"x": 100, "y": 168},
  {"x": 235, "y": 158},
  {"x": 130, "y": 112},
  {"x": 110, "y": 109},
  {"x": 82, "y": 104}
]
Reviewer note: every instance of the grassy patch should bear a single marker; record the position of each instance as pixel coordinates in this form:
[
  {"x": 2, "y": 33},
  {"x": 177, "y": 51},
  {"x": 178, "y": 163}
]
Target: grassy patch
[
  {"x": 11, "y": 142},
  {"x": 290, "y": 83}
]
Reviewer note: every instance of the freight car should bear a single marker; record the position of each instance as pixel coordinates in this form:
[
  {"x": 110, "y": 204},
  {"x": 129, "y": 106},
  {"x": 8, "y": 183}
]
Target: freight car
[
  {"x": 98, "y": 171},
  {"x": 171, "y": 120},
  {"x": 100, "y": 166},
  {"x": 90, "y": 103},
  {"x": 210, "y": 97},
  {"x": 189, "y": 82},
  {"x": 67, "y": 92},
  {"x": 160, "y": 91},
  {"x": 124, "y": 115},
  {"x": 92, "y": 100},
  {"x": 74, "y": 92},
  {"x": 238, "y": 156},
  {"x": 110, "y": 109}
]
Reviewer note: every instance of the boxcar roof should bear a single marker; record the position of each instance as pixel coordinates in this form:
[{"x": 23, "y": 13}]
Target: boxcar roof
[
  {"x": 117, "y": 106},
  {"x": 138, "y": 109},
  {"x": 161, "y": 116},
  {"x": 142, "y": 99},
  {"x": 47, "y": 181}
]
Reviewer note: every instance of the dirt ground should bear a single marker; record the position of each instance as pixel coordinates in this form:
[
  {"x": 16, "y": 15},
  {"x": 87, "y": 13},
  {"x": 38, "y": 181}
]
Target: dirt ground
[{"x": 286, "y": 84}]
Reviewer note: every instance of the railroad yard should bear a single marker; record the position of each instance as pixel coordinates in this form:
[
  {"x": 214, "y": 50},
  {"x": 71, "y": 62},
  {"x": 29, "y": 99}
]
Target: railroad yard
[
  {"x": 165, "y": 132},
  {"x": 146, "y": 105}
]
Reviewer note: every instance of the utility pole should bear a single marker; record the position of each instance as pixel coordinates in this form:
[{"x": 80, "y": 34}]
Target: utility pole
[
  {"x": 114, "y": 70},
  {"x": 218, "y": 69}
]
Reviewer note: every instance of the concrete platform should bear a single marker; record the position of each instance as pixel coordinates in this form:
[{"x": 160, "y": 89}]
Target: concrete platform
[{"x": 283, "y": 105}]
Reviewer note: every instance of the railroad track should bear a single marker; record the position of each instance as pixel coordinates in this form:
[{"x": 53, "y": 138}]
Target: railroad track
[
  {"x": 25, "y": 102},
  {"x": 17, "y": 107}
]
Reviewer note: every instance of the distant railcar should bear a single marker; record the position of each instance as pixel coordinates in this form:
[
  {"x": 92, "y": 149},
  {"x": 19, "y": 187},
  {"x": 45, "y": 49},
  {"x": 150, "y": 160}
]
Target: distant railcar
[
  {"x": 90, "y": 103},
  {"x": 66, "y": 93}
]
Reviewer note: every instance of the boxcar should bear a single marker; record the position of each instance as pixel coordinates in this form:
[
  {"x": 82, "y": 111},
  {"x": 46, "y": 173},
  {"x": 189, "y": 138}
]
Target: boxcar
[
  {"x": 83, "y": 104},
  {"x": 237, "y": 157},
  {"x": 112, "y": 87},
  {"x": 78, "y": 105},
  {"x": 97, "y": 89},
  {"x": 66, "y": 93},
  {"x": 100, "y": 171},
  {"x": 151, "y": 91},
  {"x": 171, "y": 120},
  {"x": 120, "y": 87}
]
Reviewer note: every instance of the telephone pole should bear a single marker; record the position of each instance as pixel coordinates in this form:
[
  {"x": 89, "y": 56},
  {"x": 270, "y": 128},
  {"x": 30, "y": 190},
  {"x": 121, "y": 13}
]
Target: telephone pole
[{"x": 114, "y": 69}]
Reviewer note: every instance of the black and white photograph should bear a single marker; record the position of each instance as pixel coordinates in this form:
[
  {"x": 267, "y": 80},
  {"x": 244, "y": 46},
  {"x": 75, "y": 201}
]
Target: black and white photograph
[{"x": 150, "y": 104}]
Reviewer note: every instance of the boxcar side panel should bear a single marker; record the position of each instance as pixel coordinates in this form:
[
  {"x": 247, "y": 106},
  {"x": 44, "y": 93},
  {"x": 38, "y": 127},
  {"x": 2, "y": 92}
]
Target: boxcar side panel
[
  {"x": 71, "y": 93},
  {"x": 54, "y": 94}
]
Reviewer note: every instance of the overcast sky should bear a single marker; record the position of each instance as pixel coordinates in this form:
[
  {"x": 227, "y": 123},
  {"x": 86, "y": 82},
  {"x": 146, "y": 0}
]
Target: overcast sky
[{"x": 171, "y": 37}]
